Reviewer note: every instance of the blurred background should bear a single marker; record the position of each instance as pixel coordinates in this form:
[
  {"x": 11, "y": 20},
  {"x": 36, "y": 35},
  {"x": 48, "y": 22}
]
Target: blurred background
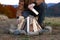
[
  {"x": 8, "y": 9},
  {"x": 52, "y": 15}
]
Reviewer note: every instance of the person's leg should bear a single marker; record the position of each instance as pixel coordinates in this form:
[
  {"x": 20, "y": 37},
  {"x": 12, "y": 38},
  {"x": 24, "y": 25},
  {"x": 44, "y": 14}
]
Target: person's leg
[
  {"x": 41, "y": 15},
  {"x": 41, "y": 19},
  {"x": 26, "y": 14}
]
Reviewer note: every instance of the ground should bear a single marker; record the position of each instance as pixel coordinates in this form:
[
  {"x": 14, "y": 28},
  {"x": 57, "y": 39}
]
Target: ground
[{"x": 55, "y": 35}]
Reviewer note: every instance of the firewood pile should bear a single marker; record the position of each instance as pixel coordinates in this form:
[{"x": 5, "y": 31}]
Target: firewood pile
[{"x": 27, "y": 26}]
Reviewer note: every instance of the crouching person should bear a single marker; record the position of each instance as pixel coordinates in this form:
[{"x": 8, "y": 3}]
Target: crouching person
[{"x": 30, "y": 7}]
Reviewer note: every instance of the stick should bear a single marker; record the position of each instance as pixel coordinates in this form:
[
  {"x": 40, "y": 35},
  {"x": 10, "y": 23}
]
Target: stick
[{"x": 28, "y": 24}]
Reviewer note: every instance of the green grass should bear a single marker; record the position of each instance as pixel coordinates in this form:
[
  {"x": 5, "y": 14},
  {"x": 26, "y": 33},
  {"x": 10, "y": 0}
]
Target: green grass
[{"x": 52, "y": 21}]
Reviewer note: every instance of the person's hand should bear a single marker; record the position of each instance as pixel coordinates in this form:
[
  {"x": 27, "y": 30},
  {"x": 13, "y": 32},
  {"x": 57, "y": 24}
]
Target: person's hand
[{"x": 31, "y": 6}]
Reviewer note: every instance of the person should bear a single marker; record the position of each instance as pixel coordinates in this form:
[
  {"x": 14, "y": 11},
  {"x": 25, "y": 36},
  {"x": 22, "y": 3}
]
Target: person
[{"x": 25, "y": 9}]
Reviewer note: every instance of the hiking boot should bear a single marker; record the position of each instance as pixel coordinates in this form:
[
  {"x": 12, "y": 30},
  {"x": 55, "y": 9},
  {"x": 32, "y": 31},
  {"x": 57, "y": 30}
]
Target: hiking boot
[
  {"x": 18, "y": 32},
  {"x": 47, "y": 29}
]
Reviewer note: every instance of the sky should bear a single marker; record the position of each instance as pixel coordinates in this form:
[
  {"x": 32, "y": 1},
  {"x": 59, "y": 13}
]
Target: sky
[
  {"x": 15, "y": 2},
  {"x": 9, "y": 2},
  {"x": 52, "y": 1}
]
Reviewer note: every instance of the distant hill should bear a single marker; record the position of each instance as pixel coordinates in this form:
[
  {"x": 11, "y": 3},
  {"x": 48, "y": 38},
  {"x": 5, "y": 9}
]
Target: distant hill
[
  {"x": 50, "y": 4},
  {"x": 53, "y": 11},
  {"x": 15, "y": 6}
]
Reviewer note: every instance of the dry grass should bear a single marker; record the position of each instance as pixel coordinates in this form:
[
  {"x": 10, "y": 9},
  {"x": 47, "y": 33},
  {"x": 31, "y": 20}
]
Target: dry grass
[
  {"x": 53, "y": 21},
  {"x": 48, "y": 21}
]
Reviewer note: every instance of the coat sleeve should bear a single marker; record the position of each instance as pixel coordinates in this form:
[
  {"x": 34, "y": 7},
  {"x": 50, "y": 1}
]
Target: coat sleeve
[{"x": 20, "y": 8}]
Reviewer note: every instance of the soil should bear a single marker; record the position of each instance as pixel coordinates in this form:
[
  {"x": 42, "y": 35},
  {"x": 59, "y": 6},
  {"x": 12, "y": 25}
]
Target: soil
[{"x": 55, "y": 35}]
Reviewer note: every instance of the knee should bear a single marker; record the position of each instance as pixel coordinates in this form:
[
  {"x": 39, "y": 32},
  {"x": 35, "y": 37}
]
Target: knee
[{"x": 25, "y": 13}]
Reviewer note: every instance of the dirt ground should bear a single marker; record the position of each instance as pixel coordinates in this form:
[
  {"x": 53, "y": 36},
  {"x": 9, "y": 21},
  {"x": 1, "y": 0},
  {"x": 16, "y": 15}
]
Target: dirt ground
[{"x": 55, "y": 35}]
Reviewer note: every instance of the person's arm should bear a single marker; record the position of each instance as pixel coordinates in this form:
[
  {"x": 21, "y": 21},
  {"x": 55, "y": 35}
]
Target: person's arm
[
  {"x": 31, "y": 7},
  {"x": 20, "y": 7}
]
